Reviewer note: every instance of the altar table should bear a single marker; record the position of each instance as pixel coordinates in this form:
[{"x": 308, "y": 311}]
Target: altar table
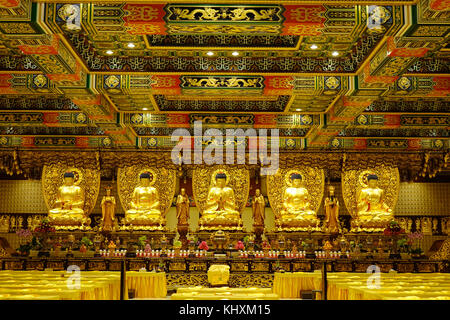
[
  {"x": 289, "y": 284},
  {"x": 93, "y": 285},
  {"x": 396, "y": 286}
]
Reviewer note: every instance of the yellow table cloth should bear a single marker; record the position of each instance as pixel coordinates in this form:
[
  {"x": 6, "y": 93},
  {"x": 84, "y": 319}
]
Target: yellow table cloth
[
  {"x": 289, "y": 284},
  {"x": 94, "y": 285},
  {"x": 147, "y": 284},
  {"x": 405, "y": 286}
]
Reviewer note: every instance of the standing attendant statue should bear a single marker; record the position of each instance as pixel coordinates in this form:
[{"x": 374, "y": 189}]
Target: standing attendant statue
[
  {"x": 183, "y": 207},
  {"x": 331, "y": 212},
  {"x": 108, "y": 210},
  {"x": 258, "y": 206},
  {"x": 183, "y": 217}
]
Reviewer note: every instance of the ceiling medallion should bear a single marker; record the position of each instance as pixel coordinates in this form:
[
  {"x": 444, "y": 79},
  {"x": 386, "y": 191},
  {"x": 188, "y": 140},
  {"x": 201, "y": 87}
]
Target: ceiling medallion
[
  {"x": 306, "y": 119},
  {"x": 40, "y": 81},
  {"x": 362, "y": 119},
  {"x": 112, "y": 82},
  {"x": 81, "y": 118},
  {"x": 136, "y": 118},
  {"x": 404, "y": 83},
  {"x": 335, "y": 142},
  {"x": 332, "y": 82},
  {"x": 106, "y": 142},
  {"x": 438, "y": 143}
]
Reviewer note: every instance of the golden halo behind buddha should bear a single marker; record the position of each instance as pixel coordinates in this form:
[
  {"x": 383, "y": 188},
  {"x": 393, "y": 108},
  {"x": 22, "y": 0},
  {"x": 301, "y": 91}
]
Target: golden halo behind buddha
[
  {"x": 149, "y": 171},
  {"x": 287, "y": 176},
  {"x": 77, "y": 175},
  {"x": 362, "y": 179},
  {"x": 213, "y": 176}
]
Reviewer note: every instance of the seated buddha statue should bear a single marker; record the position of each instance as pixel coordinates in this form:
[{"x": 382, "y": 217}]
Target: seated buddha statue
[
  {"x": 296, "y": 212},
  {"x": 372, "y": 213},
  {"x": 220, "y": 209},
  {"x": 68, "y": 210},
  {"x": 145, "y": 209}
]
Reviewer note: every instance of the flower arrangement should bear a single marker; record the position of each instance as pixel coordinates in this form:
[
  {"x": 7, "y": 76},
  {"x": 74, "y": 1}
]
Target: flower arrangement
[
  {"x": 34, "y": 244},
  {"x": 266, "y": 245},
  {"x": 239, "y": 245},
  {"x": 203, "y": 246},
  {"x": 177, "y": 244},
  {"x": 24, "y": 233},
  {"x": 86, "y": 241},
  {"x": 393, "y": 229},
  {"x": 45, "y": 227},
  {"x": 414, "y": 241},
  {"x": 403, "y": 245},
  {"x": 142, "y": 241}
]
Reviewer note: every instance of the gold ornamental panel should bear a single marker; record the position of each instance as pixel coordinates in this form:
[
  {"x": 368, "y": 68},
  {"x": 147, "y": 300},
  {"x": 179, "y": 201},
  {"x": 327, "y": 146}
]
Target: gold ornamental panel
[
  {"x": 238, "y": 179},
  {"x": 88, "y": 179},
  {"x": 354, "y": 180},
  {"x": 163, "y": 179},
  {"x": 313, "y": 180}
]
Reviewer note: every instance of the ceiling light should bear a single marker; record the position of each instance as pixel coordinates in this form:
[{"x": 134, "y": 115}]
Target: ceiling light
[
  {"x": 313, "y": 47},
  {"x": 109, "y": 52},
  {"x": 210, "y": 53},
  {"x": 145, "y": 109},
  {"x": 298, "y": 109},
  {"x": 335, "y": 53},
  {"x": 235, "y": 53},
  {"x": 131, "y": 45}
]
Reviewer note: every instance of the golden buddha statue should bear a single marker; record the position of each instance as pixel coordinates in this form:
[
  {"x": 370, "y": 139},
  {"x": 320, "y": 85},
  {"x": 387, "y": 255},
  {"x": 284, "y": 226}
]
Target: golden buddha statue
[
  {"x": 68, "y": 211},
  {"x": 220, "y": 209},
  {"x": 296, "y": 214},
  {"x": 145, "y": 208},
  {"x": 373, "y": 215}
]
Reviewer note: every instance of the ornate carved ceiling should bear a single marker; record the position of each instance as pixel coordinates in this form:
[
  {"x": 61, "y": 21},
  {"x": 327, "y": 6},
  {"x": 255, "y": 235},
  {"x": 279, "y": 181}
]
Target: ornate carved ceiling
[{"x": 339, "y": 75}]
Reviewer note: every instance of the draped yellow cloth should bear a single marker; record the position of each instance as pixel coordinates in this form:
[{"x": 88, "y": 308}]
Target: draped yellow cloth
[
  {"x": 289, "y": 284},
  {"x": 224, "y": 293},
  {"x": 90, "y": 285},
  {"x": 147, "y": 284},
  {"x": 365, "y": 286},
  {"x": 386, "y": 286}
]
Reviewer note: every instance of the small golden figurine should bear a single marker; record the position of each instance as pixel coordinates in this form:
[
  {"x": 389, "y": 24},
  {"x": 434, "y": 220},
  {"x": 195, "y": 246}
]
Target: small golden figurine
[
  {"x": 183, "y": 207},
  {"x": 409, "y": 225},
  {"x": 12, "y": 225},
  {"x": 418, "y": 225},
  {"x": 435, "y": 225},
  {"x": 258, "y": 206},
  {"x": 426, "y": 226},
  {"x": 4, "y": 225},
  {"x": 111, "y": 245},
  {"x": 108, "y": 205},
  {"x": 331, "y": 212}
]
